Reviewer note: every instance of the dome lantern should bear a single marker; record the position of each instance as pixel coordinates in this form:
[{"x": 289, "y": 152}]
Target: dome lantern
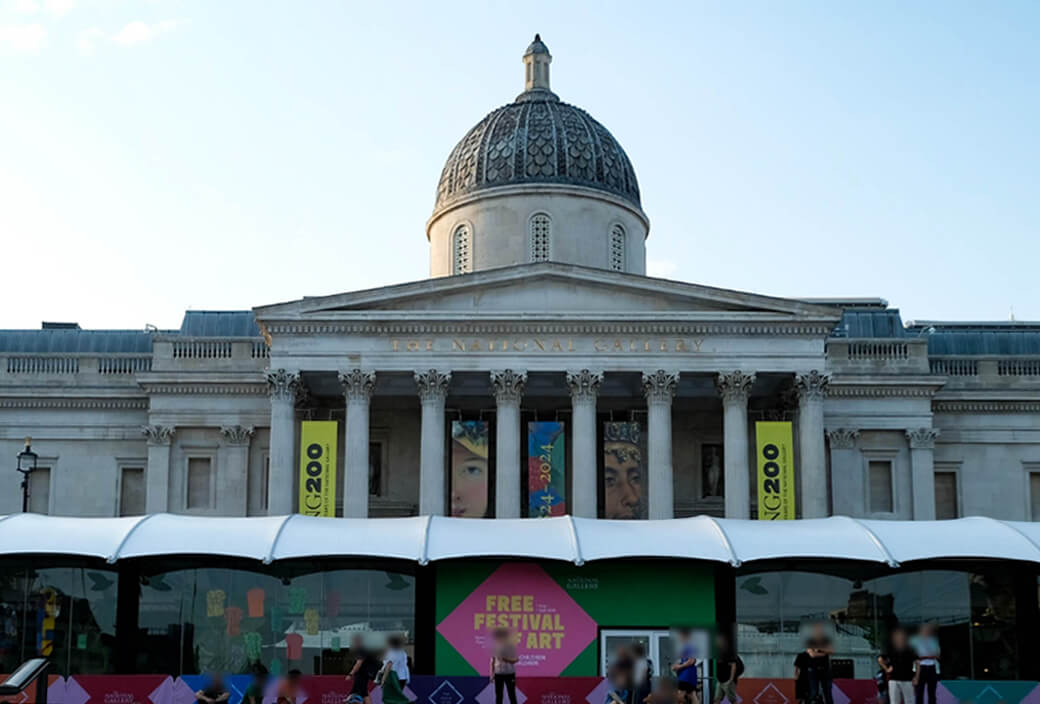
[{"x": 536, "y": 71}]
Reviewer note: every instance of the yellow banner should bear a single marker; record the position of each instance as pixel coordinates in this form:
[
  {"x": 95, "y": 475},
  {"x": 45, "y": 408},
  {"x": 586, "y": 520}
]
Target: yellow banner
[
  {"x": 318, "y": 440},
  {"x": 775, "y": 461}
]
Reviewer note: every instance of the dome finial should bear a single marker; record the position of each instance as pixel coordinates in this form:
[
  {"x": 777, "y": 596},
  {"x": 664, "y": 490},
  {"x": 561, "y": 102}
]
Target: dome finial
[{"x": 536, "y": 65}]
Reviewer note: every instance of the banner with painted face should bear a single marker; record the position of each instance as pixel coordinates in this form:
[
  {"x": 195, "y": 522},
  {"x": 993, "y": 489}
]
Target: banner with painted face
[
  {"x": 624, "y": 478},
  {"x": 546, "y": 459},
  {"x": 469, "y": 468}
]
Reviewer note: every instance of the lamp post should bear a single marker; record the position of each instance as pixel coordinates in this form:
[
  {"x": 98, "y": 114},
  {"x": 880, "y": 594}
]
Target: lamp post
[{"x": 26, "y": 465}]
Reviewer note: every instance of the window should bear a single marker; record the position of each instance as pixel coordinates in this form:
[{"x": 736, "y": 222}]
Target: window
[
  {"x": 264, "y": 481},
  {"x": 40, "y": 490},
  {"x": 617, "y": 248},
  {"x": 131, "y": 491},
  {"x": 880, "y": 480},
  {"x": 1034, "y": 495},
  {"x": 375, "y": 469},
  {"x": 945, "y": 495},
  {"x": 200, "y": 489},
  {"x": 541, "y": 227},
  {"x": 462, "y": 250}
]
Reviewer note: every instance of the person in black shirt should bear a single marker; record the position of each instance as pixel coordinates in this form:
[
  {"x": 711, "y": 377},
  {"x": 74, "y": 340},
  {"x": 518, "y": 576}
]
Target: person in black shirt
[
  {"x": 728, "y": 669},
  {"x": 898, "y": 664},
  {"x": 819, "y": 648},
  {"x": 366, "y": 667},
  {"x": 215, "y": 693}
]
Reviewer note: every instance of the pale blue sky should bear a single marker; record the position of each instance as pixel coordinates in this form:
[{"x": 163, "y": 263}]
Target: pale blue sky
[{"x": 164, "y": 155}]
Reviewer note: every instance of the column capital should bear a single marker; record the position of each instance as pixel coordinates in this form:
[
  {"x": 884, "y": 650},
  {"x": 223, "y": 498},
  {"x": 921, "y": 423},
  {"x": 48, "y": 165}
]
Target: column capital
[
  {"x": 660, "y": 386},
  {"x": 812, "y": 385},
  {"x": 922, "y": 438},
  {"x": 283, "y": 385},
  {"x": 584, "y": 385},
  {"x": 357, "y": 384},
  {"x": 237, "y": 434},
  {"x": 508, "y": 384},
  {"x": 734, "y": 386},
  {"x": 433, "y": 384},
  {"x": 843, "y": 438},
  {"x": 158, "y": 434}
]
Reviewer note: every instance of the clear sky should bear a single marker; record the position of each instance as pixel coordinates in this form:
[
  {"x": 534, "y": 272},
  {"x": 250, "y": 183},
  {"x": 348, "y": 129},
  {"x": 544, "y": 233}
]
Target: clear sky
[{"x": 162, "y": 155}]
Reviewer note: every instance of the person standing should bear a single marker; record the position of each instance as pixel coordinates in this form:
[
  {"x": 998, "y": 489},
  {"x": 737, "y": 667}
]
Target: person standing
[
  {"x": 363, "y": 674},
  {"x": 820, "y": 649},
  {"x": 898, "y": 664},
  {"x": 728, "y": 669},
  {"x": 926, "y": 647},
  {"x": 686, "y": 669},
  {"x": 642, "y": 683},
  {"x": 397, "y": 659},
  {"x": 503, "y": 665},
  {"x": 254, "y": 693}
]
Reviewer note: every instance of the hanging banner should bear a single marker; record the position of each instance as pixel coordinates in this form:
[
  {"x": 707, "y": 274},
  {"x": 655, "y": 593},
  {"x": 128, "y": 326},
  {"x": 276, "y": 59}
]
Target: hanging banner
[
  {"x": 318, "y": 441},
  {"x": 546, "y": 459},
  {"x": 469, "y": 468},
  {"x": 775, "y": 461},
  {"x": 624, "y": 488}
]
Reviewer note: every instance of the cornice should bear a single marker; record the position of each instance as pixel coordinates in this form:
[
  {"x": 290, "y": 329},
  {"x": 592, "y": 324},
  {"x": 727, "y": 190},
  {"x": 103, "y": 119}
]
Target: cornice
[
  {"x": 458, "y": 327},
  {"x": 90, "y": 404},
  {"x": 881, "y": 386},
  {"x": 986, "y": 406},
  {"x": 187, "y": 388}
]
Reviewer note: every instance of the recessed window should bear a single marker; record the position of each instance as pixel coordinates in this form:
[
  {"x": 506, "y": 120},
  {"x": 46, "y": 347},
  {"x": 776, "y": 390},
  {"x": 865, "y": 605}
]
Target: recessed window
[
  {"x": 264, "y": 479},
  {"x": 131, "y": 491},
  {"x": 617, "y": 248},
  {"x": 200, "y": 483},
  {"x": 462, "y": 250},
  {"x": 880, "y": 478},
  {"x": 945, "y": 495},
  {"x": 541, "y": 238},
  {"x": 40, "y": 490},
  {"x": 1034, "y": 495}
]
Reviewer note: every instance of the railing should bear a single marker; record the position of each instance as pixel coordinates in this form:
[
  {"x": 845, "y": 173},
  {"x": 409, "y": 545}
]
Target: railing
[
  {"x": 1018, "y": 367},
  {"x": 123, "y": 365},
  {"x": 260, "y": 350},
  {"x": 954, "y": 366},
  {"x": 43, "y": 365},
  {"x": 202, "y": 349},
  {"x": 882, "y": 351}
]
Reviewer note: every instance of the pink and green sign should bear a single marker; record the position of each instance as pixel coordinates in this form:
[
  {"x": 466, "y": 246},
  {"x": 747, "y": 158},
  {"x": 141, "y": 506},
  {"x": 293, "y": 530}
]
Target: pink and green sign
[{"x": 557, "y": 609}]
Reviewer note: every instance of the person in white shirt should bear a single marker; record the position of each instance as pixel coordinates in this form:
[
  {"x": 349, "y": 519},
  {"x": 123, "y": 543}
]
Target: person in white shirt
[
  {"x": 397, "y": 659},
  {"x": 926, "y": 645}
]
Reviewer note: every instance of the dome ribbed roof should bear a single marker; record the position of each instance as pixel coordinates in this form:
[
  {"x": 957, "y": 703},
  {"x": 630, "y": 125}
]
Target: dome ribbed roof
[{"x": 537, "y": 140}]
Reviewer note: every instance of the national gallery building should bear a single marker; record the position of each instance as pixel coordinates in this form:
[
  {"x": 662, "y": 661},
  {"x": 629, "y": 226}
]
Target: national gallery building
[{"x": 538, "y": 372}]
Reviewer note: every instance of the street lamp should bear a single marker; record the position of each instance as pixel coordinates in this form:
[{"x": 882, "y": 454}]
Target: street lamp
[{"x": 26, "y": 466}]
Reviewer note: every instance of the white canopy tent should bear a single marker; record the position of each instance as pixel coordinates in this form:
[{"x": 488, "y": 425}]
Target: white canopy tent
[{"x": 424, "y": 539}]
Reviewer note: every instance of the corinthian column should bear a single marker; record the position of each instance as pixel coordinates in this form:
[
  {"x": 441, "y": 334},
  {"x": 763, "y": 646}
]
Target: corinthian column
[
  {"x": 157, "y": 477},
  {"x": 922, "y": 471},
  {"x": 509, "y": 388},
  {"x": 659, "y": 388},
  {"x": 812, "y": 387},
  {"x": 233, "y": 495},
  {"x": 735, "y": 389},
  {"x": 357, "y": 390},
  {"x": 584, "y": 386},
  {"x": 283, "y": 386},
  {"x": 433, "y": 391}
]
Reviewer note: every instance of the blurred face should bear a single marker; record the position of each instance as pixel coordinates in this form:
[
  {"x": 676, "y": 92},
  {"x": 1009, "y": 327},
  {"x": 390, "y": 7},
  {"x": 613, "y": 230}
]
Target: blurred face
[
  {"x": 356, "y": 643},
  {"x": 469, "y": 487},
  {"x": 899, "y": 639},
  {"x": 622, "y": 481}
]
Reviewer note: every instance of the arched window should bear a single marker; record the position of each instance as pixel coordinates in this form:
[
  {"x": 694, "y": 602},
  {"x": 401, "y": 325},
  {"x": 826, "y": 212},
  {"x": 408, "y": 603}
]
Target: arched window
[
  {"x": 617, "y": 248},
  {"x": 541, "y": 231},
  {"x": 461, "y": 250}
]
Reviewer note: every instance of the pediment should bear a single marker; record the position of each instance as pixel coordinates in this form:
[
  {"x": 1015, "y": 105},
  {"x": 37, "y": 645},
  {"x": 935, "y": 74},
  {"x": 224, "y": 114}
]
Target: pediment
[{"x": 547, "y": 289}]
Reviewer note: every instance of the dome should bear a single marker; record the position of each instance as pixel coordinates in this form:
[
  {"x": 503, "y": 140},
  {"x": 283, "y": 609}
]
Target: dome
[{"x": 537, "y": 139}]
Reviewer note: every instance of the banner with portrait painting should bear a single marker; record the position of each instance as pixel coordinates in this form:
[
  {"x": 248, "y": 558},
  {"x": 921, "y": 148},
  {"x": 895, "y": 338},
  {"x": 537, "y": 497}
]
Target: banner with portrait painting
[
  {"x": 469, "y": 468},
  {"x": 624, "y": 475},
  {"x": 546, "y": 459}
]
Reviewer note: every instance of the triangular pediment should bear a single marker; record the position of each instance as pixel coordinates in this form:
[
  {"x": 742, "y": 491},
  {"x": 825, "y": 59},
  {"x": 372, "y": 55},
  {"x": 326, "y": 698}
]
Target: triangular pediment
[{"x": 545, "y": 289}]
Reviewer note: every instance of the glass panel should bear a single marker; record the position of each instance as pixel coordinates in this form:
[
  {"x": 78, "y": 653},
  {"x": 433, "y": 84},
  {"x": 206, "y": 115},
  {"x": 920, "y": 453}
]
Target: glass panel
[
  {"x": 199, "y": 482},
  {"x": 945, "y": 495},
  {"x": 880, "y": 487},
  {"x": 226, "y": 620}
]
